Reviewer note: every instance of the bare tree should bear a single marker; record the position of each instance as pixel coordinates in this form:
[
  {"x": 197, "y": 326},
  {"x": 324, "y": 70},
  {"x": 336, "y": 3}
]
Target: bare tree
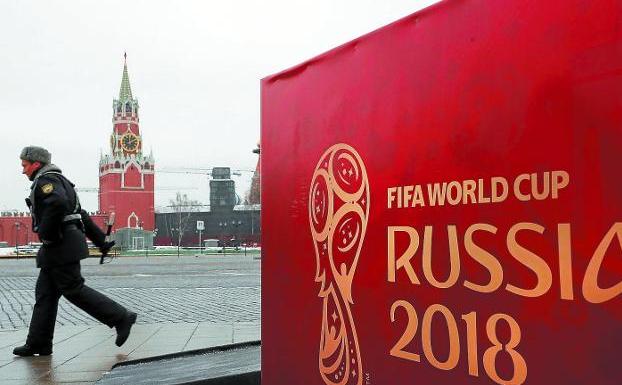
[{"x": 183, "y": 207}]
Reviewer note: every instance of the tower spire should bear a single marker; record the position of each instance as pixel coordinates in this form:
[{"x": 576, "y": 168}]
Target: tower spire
[{"x": 125, "y": 93}]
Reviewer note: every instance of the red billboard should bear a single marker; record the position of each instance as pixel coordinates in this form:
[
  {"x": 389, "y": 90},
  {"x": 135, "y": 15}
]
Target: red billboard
[{"x": 442, "y": 201}]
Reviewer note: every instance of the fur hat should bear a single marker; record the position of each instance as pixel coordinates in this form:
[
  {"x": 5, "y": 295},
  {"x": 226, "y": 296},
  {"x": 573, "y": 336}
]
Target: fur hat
[{"x": 36, "y": 154}]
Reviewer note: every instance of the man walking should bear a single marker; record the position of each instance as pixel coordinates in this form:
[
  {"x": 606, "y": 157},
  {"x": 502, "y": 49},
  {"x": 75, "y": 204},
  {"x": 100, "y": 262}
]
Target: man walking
[{"x": 61, "y": 224}]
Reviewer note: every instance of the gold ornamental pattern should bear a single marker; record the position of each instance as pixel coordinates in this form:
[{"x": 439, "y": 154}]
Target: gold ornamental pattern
[{"x": 338, "y": 215}]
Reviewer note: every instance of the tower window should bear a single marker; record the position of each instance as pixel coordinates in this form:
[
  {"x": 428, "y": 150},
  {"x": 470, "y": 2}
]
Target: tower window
[
  {"x": 128, "y": 107},
  {"x": 117, "y": 164}
]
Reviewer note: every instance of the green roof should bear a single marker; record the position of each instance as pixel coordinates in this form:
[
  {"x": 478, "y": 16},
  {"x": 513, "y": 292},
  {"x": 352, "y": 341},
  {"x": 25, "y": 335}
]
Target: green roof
[{"x": 125, "y": 93}]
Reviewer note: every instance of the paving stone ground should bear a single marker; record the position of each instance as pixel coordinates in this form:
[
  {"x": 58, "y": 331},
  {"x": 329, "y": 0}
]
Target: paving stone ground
[
  {"x": 83, "y": 354},
  {"x": 160, "y": 289},
  {"x": 183, "y": 303}
]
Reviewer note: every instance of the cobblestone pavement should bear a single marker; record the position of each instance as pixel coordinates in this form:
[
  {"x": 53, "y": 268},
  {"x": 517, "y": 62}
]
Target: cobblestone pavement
[{"x": 159, "y": 289}]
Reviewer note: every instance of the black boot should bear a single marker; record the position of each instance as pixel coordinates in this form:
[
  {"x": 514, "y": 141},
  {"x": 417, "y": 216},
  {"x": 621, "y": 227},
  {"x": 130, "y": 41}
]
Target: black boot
[
  {"x": 27, "y": 350},
  {"x": 124, "y": 327}
]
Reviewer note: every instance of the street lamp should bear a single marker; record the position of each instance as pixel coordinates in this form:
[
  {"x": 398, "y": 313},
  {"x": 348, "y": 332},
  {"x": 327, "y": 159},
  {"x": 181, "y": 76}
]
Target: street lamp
[
  {"x": 246, "y": 240},
  {"x": 236, "y": 235},
  {"x": 142, "y": 233},
  {"x": 17, "y": 224},
  {"x": 223, "y": 228}
]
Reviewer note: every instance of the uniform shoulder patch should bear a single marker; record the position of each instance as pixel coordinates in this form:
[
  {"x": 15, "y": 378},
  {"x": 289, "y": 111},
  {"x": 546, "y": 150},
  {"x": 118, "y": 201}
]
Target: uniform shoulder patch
[{"x": 47, "y": 188}]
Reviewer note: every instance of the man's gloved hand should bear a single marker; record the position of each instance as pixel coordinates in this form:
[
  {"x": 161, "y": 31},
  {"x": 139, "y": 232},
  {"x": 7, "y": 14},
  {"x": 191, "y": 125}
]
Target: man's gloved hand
[{"x": 105, "y": 248}]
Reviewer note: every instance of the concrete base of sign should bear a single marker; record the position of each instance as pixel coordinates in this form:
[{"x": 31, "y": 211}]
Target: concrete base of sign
[{"x": 236, "y": 364}]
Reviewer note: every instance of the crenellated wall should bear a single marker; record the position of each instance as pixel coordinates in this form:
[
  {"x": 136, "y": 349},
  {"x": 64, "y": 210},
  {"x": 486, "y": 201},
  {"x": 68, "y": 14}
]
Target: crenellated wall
[{"x": 18, "y": 227}]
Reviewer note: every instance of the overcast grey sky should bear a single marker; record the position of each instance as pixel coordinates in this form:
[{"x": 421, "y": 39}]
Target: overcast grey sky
[{"x": 194, "y": 66}]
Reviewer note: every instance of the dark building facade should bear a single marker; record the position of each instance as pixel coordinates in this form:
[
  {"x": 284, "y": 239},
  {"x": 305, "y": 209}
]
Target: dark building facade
[
  {"x": 239, "y": 225},
  {"x": 227, "y": 221}
]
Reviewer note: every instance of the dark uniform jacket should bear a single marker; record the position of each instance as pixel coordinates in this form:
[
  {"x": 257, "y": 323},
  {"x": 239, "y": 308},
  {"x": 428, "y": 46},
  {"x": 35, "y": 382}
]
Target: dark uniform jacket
[{"x": 52, "y": 198}]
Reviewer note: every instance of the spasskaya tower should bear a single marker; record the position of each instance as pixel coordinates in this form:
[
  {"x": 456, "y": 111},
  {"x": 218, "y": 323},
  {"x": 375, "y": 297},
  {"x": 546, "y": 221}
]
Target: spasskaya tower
[{"x": 126, "y": 173}]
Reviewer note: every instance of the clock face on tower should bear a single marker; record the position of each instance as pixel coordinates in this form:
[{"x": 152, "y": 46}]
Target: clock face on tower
[{"x": 129, "y": 142}]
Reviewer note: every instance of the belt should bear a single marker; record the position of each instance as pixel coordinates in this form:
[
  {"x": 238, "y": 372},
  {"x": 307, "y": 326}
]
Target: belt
[{"x": 71, "y": 217}]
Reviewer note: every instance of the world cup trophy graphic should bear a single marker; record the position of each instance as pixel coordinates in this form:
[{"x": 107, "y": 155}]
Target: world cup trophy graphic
[{"x": 338, "y": 214}]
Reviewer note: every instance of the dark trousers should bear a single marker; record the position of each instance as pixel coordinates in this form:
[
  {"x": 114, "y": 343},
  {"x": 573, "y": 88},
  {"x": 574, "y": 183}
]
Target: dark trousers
[{"x": 67, "y": 281}]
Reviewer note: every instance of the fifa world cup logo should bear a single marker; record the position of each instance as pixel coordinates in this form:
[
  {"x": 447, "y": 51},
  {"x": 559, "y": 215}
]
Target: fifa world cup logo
[{"x": 338, "y": 213}]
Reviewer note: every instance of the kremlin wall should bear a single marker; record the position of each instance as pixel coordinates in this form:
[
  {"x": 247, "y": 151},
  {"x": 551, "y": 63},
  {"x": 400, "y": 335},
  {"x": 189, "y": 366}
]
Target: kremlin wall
[{"x": 126, "y": 188}]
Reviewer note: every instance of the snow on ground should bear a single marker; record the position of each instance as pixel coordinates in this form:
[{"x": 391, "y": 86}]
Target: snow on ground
[{"x": 4, "y": 251}]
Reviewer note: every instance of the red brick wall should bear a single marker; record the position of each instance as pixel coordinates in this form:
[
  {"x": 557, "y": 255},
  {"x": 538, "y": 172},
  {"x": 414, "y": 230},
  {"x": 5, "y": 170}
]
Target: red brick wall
[{"x": 23, "y": 234}]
